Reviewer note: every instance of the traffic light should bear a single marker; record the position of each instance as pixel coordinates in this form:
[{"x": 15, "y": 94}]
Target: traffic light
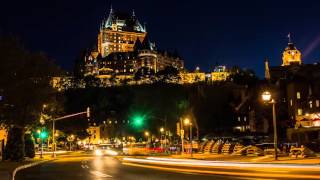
[
  {"x": 43, "y": 134},
  {"x": 138, "y": 120}
]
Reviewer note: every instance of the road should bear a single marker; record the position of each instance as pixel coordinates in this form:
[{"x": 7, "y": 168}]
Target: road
[{"x": 90, "y": 167}]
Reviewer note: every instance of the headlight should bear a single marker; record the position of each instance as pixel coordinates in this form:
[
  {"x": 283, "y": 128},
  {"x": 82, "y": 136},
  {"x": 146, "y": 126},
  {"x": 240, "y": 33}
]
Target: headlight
[
  {"x": 111, "y": 152},
  {"x": 98, "y": 152}
]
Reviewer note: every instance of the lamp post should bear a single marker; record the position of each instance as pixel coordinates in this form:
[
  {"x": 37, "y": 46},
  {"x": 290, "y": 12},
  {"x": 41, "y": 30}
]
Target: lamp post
[
  {"x": 41, "y": 150},
  {"x": 161, "y": 132},
  {"x": 147, "y": 134},
  {"x": 182, "y": 136},
  {"x": 266, "y": 97},
  {"x": 188, "y": 123}
]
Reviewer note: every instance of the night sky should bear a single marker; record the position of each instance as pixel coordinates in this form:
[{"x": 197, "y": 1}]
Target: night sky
[{"x": 226, "y": 32}]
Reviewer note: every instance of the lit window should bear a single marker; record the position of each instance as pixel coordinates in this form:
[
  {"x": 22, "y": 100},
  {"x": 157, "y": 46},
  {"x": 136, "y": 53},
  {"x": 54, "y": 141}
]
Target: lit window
[
  {"x": 310, "y": 103},
  {"x": 298, "y": 95},
  {"x": 299, "y": 112},
  {"x": 291, "y": 102}
]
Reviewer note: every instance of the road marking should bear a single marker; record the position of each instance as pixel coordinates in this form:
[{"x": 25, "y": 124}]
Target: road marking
[{"x": 100, "y": 174}]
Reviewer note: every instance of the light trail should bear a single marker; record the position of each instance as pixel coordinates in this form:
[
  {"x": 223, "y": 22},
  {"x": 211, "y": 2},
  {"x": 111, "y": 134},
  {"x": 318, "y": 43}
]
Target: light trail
[
  {"x": 202, "y": 163},
  {"x": 226, "y": 173},
  {"x": 100, "y": 174}
]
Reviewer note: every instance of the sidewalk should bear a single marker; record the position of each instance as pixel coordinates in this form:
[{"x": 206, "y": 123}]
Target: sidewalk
[
  {"x": 253, "y": 159},
  {"x": 8, "y": 167}
]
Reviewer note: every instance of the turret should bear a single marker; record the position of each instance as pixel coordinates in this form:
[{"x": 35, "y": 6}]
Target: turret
[
  {"x": 266, "y": 70},
  {"x": 291, "y": 54}
]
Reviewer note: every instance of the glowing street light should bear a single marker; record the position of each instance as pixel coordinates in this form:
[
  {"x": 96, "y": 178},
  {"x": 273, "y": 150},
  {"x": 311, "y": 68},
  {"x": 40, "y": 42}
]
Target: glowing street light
[
  {"x": 186, "y": 121},
  {"x": 147, "y": 134},
  {"x": 267, "y": 98},
  {"x": 161, "y": 132}
]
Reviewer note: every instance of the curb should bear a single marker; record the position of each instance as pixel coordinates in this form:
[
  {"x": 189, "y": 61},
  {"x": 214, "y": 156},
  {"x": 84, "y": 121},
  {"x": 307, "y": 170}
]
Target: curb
[{"x": 13, "y": 174}]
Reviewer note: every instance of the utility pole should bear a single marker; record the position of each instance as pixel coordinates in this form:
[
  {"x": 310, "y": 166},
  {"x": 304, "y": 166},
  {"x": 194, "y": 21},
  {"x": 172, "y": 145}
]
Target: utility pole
[
  {"x": 60, "y": 118},
  {"x": 191, "y": 148},
  {"x": 182, "y": 136},
  {"x": 275, "y": 135},
  {"x": 53, "y": 139},
  {"x": 41, "y": 152}
]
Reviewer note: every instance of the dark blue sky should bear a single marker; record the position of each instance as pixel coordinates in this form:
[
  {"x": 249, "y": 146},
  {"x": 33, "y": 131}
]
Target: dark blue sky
[{"x": 229, "y": 32}]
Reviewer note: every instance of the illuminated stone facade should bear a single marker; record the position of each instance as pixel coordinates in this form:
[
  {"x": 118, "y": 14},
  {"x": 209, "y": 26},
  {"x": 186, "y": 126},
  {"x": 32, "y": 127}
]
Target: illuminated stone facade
[
  {"x": 220, "y": 73},
  {"x": 192, "y": 77},
  {"x": 94, "y": 135},
  {"x": 119, "y": 33}
]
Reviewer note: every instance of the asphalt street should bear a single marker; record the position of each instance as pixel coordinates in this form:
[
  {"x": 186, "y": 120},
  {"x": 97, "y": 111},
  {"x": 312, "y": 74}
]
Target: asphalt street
[
  {"x": 91, "y": 167},
  {"x": 97, "y": 168}
]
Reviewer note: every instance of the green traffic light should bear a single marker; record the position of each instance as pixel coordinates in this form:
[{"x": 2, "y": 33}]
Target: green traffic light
[
  {"x": 43, "y": 135},
  {"x": 138, "y": 120}
]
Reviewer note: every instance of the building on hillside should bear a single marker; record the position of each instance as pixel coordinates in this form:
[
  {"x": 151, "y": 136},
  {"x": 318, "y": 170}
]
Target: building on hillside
[
  {"x": 297, "y": 86},
  {"x": 119, "y": 33},
  {"x": 220, "y": 73},
  {"x": 123, "y": 48},
  {"x": 165, "y": 59},
  {"x": 192, "y": 77},
  {"x": 300, "y": 84}
]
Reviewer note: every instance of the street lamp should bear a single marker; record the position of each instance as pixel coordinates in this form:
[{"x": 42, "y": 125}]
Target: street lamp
[
  {"x": 188, "y": 123},
  {"x": 147, "y": 134},
  {"x": 267, "y": 98},
  {"x": 161, "y": 139}
]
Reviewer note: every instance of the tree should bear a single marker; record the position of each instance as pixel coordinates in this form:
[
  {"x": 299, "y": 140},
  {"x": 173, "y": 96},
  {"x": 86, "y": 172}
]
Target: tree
[
  {"x": 144, "y": 72},
  {"x": 243, "y": 76},
  {"x": 25, "y": 78},
  {"x": 91, "y": 81},
  {"x": 168, "y": 73},
  {"x": 15, "y": 149},
  {"x": 29, "y": 146}
]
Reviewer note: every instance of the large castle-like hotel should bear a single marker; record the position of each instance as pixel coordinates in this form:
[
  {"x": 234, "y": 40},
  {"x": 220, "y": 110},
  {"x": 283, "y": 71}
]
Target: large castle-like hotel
[{"x": 123, "y": 47}]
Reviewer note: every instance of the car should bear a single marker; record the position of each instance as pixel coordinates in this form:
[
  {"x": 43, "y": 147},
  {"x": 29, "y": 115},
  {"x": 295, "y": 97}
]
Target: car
[{"x": 102, "y": 150}]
